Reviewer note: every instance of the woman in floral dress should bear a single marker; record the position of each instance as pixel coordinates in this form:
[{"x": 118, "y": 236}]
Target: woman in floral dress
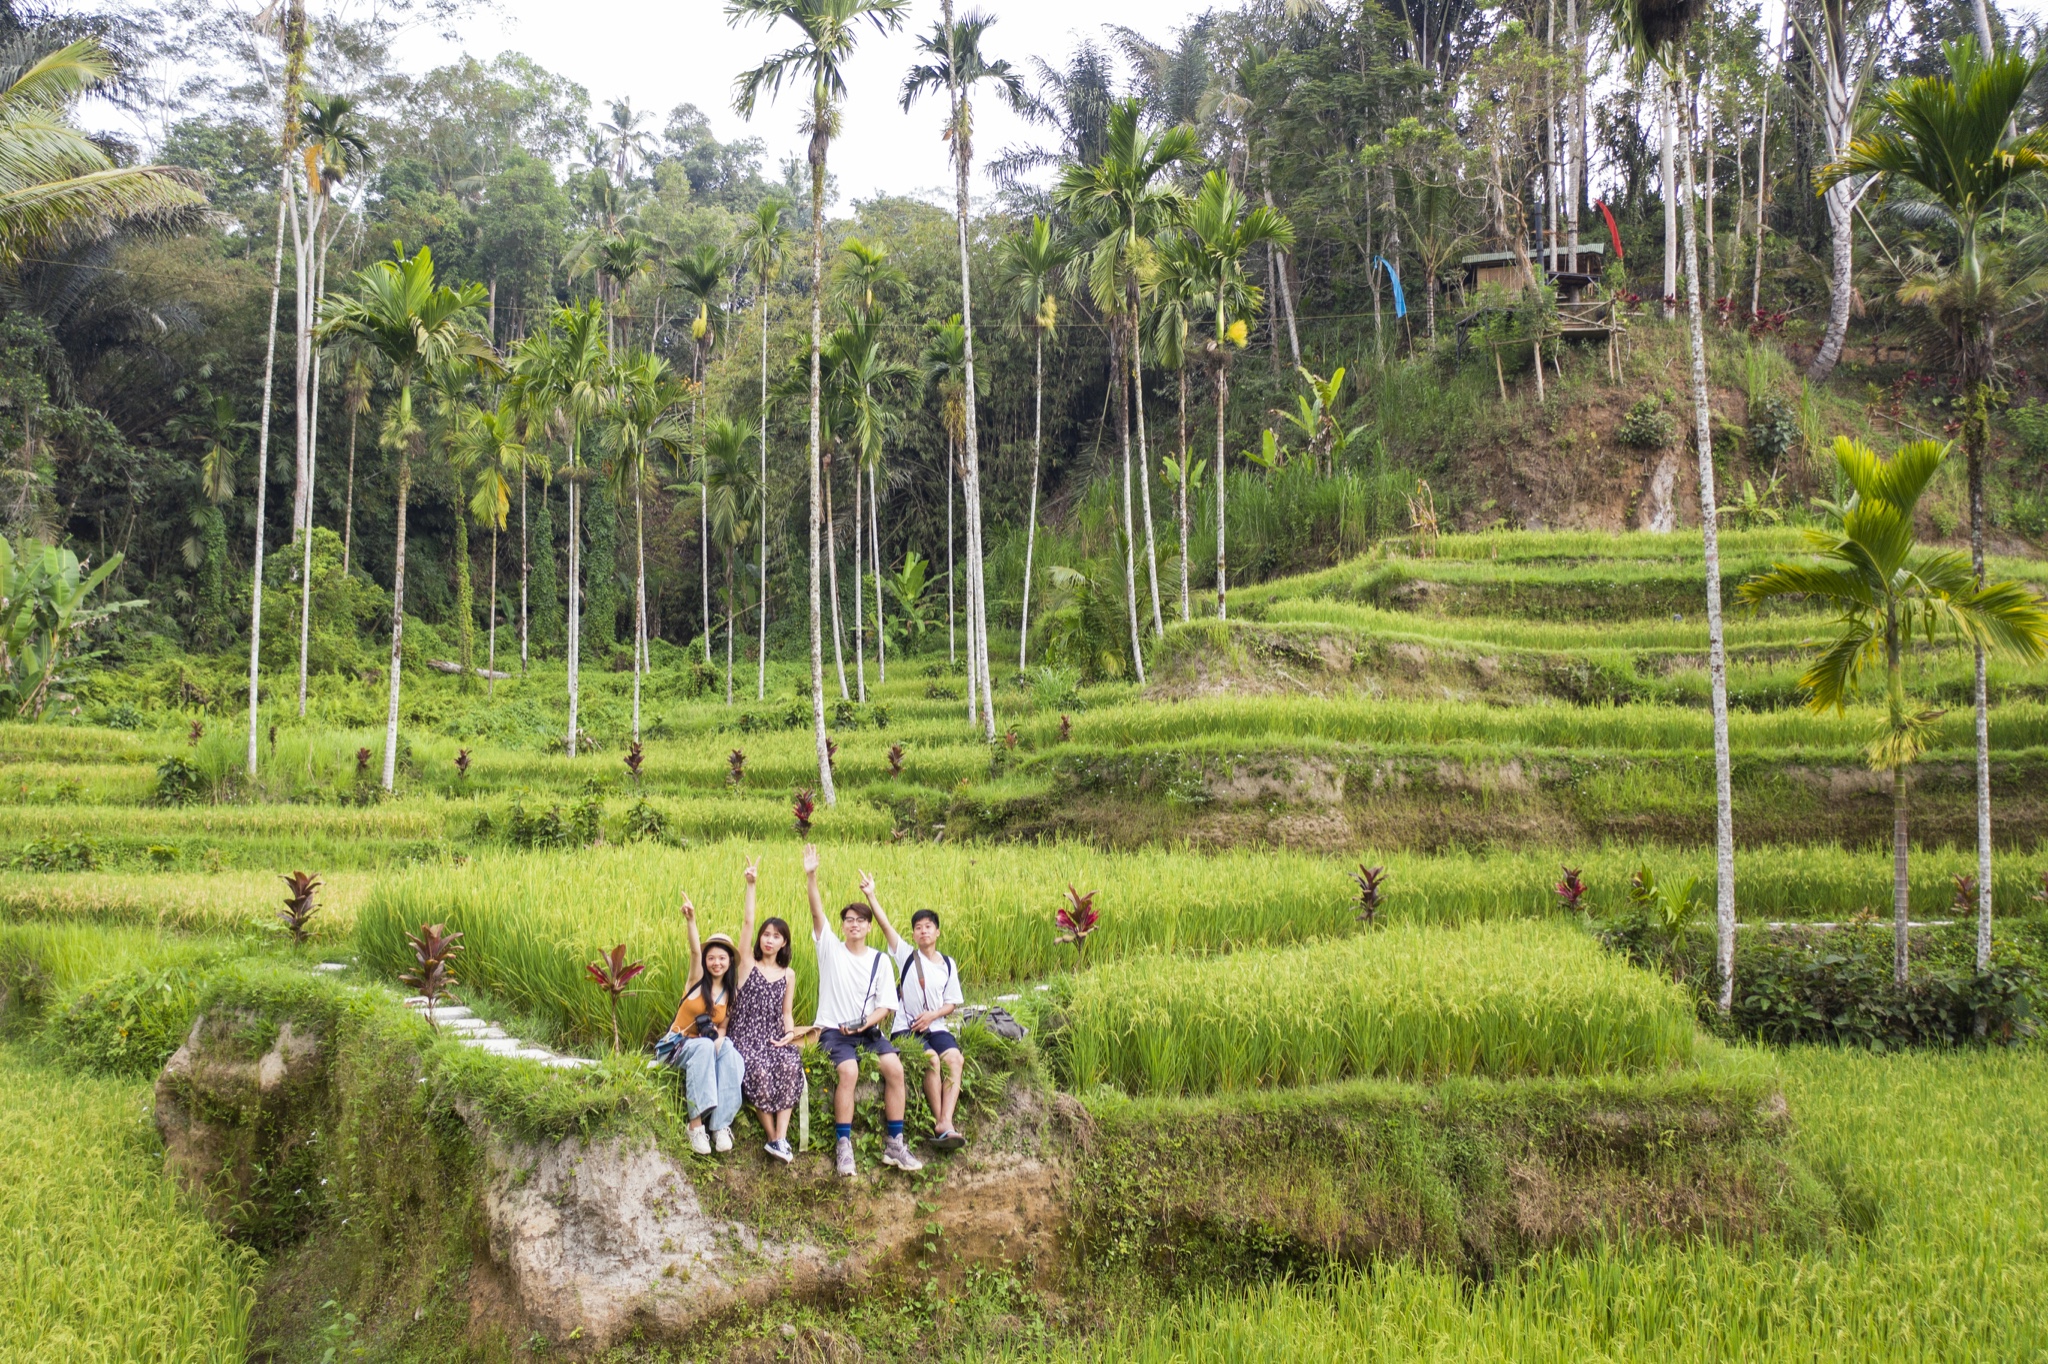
[{"x": 762, "y": 1026}]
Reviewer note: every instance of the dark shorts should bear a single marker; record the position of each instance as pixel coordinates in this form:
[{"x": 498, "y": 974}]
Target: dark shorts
[
  {"x": 937, "y": 1041},
  {"x": 842, "y": 1047}
]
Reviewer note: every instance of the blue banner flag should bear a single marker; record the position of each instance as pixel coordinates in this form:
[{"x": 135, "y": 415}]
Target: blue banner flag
[{"x": 1400, "y": 302}]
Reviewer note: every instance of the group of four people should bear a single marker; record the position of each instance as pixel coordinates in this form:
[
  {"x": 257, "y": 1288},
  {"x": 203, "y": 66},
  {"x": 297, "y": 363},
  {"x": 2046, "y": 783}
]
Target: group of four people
[{"x": 734, "y": 1037}]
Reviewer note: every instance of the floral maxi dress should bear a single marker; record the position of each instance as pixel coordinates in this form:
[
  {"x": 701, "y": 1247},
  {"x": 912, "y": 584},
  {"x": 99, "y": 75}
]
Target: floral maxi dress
[{"x": 775, "y": 1075}]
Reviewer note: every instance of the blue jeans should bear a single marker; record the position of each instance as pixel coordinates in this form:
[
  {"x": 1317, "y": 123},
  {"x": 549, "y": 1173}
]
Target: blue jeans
[{"x": 712, "y": 1072}]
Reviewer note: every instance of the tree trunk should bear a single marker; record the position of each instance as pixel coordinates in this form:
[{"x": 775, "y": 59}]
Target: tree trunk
[
  {"x": 348, "y": 505},
  {"x": 1121, "y": 335},
  {"x": 1901, "y": 920},
  {"x": 639, "y": 600},
  {"x": 522, "y": 572},
  {"x": 465, "y": 601},
  {"x": 823, "y": 125},
  {"x": 1717, "y": 655},
  {"x": 302, "y": 345},
  {"x": 761, "y": 488},
  {"x": 977, "y": 590},
  {"x": 875, "y": 548},
  {"x": 491, "y": 648},
  {"x": 1144, "y": 469},
  {"x": 1976, "y": 440},
  {"x": 398, "y": 623},
  {"x": 1980, "y": 12},
  {"x": 1186, "y": 472},
  {"x": 952, "y": 608},
  {"x": 1280, "y": 263},
  {"x": 575, "y": 592},
  {"x": 1222, "y": 399},
  {"x": 1666, "y": 155},
  {"x": 860, "y": 606},
  {"x": 1838, "y": 113},
  {"x": 832, "y": 565},
  {"x": 730, "y": 612},
  {"x": 263, "y": 464},
  {"x": 703, "y": 504},
  {"x": 312, "y": 458},
  {"x": 1031, "y": 522}
]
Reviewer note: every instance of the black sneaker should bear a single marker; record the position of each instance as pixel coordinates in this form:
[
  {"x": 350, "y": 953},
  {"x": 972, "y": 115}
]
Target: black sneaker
[{"x": 948, "y": 1141}]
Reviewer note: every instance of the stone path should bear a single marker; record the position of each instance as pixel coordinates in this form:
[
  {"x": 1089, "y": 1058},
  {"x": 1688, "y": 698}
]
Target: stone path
[{"x": 472, "y": 1031}]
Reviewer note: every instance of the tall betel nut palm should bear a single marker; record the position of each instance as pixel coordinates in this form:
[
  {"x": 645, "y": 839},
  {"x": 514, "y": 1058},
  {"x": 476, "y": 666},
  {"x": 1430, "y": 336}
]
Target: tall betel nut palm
[
  {"x": 1653, "y": 32},
  {"x": 705, "y": 278},
  {"x": 829, "y": 33},
  {"x": 1887, "y": 588},
  {"x": 415, "y": 322},
  {"x": 957, "y": 64},
  {"x": 1951, "y": 136},
  {"x": 1033, "y": 262},
  {"x": 763, "y": 245}
]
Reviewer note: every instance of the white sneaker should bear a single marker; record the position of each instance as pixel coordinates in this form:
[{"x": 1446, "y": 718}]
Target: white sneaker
[
  {"x": 780, "y": 1150},
  {"x": 894, "y": 1152},
  {"x": 700, "y": 1141},
  {"x": 721, "y": 1140},
  {"x": 845, "y": 1156}
]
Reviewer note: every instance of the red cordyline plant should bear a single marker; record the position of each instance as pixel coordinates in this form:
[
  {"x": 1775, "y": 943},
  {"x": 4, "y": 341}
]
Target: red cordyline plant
[
  {"x": 362, "y": 762},
  {"x": 1066, "y": 728},
  {"x": 895, "y": 760},
  {"x": 832, "y": 755},
  {"x": 612, "y": 973},
  {"x": 634, "y": 758},
  {"x": 1371, "y": 882},
  {"x": 1966, "y": 890},
  {"x": 1571, "y": 889},
  {"x": 432, "y": 948},
  {"x": 198, "y": 732},
  {"x": 462, "y": 762},
  {"x": 298, "y": 906},
  {"x": 736, "y": 766},
  {"x": 1076, "y": 920},
  {"x": 2042, "y": 893},
  {"x": 803, "y": 806}
]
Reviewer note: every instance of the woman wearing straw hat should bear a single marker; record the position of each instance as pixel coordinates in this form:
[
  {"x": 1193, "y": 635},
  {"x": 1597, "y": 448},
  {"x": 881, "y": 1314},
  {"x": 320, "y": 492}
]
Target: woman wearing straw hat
[{"x": 713, "y": 1068}]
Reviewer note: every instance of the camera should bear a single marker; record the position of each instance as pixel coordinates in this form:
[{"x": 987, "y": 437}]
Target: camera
[
  {"x": 858, "y": 1027},
  {"x": 705, "y": 1028}
]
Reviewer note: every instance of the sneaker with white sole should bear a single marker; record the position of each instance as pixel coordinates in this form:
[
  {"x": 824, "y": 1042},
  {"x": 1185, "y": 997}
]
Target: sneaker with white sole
[
  {"x": 894, "y": 1152},
  {"x": 700, "y": 1141},
  {"x": 780, "y": 1150},
  {"x": 845, "y": 1157},
  {"x": 721, "y": 1140}
]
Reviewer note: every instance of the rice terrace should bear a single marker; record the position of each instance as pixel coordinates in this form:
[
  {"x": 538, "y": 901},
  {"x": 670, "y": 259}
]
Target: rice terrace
[{"x": 1333, "y": 680}]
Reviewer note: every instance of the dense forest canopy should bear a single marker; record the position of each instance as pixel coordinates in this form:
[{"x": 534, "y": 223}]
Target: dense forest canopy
[{"x": 1379, "y": 142}]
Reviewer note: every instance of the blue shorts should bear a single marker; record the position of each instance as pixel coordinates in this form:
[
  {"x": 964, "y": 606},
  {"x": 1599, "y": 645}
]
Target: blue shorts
[
  {"x": 937, "y": 1041},
  {"x": 842, "y": 1047}
]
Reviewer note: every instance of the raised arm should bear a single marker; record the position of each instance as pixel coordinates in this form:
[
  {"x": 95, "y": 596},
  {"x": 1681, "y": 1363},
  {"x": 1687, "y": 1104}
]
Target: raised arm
[
  {"x": 811, "y": 887},
  {"x": 889, "y": 933},
  {"x": 744, "y": 958},
  {"x": 696, "y": 947}
]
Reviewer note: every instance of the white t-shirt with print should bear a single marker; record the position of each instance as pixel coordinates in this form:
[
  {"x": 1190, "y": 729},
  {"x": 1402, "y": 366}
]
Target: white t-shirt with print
[
  {"x": 844, "y": 989},
  {"x": 941, "y": 984}
]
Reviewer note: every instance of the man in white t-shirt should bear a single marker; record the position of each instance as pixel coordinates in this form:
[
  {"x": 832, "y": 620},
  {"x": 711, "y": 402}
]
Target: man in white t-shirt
[
  {"x": 856, "y": 995},
  {"x": 928, "y": 984}
]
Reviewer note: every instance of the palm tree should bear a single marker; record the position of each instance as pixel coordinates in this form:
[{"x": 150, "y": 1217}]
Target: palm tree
[
  {"x": 830, "y": 31},
  {"x": 1220, "y": 231},
  {"x": 1074, "y": 101},
  {"x": 1126, "y": 200},
  {"x": 1173, "y": 281},
  {"x": 618, "y": 259},
  {"x": 642, "y": 421},
  {"x": 705, "y": 277},
  {"x": 866, "y": 381},
  {"x": 1873, "y": 571},
  {"x": 1654, "y": 33},
  {"x": 734, "y": 498},
  {"x": 451, "y": 389},
  {"x": 331, "y": 148},
  {"x": 764, "y": 245},
  {"x": 1952, "y": 137},
  {"x": 56, "y": 180},
  {"x": 489, "y": 447},
  {"x": 415, "y": 322},
  {"x": 957, "y": 64},
  {"x": 868, "y": 273},
  {"x": 1032, "y": 265},
  {"x": 628, "y": 137},
  {"x": 563, "y": 373}
]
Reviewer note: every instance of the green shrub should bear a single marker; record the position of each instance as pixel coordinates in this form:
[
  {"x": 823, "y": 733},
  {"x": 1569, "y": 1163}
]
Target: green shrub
[
  {"x": 50, "y": 854},
  {"x": 179, "y": 782},
  {"x": 2029, "y": 422},
  {"x": 130, "y": 1024},
  {"x": 1647, "y": 426},
  {"x": 1410, "y": 1003},
  {"x": 1773, "y": 429}
]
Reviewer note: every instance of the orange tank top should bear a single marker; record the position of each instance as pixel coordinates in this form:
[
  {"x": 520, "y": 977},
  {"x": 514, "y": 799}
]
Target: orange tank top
[{"x": 692, "y": 1005}]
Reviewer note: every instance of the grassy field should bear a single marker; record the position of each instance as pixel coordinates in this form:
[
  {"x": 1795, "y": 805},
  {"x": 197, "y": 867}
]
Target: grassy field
[
  {"x": 100, "y": 1258},
  {"x": 1942, "y": 1161},
  {"x": 1414, "y": 1004}
]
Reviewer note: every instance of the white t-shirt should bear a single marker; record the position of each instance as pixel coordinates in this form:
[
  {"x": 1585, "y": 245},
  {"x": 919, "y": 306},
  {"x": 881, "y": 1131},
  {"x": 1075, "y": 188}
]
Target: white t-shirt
[
  {"x": 941, "y": 984},
  {"x": 851, "y": 987}
]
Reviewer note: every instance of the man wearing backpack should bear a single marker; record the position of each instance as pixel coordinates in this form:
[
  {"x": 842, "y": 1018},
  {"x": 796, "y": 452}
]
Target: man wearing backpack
[
  {"x": 856, "y": 995},
  {"x": 928, "y": 985}
]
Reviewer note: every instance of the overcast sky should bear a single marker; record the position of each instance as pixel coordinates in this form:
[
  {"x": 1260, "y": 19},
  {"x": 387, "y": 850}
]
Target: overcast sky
[{"x": 661, "y": 55}]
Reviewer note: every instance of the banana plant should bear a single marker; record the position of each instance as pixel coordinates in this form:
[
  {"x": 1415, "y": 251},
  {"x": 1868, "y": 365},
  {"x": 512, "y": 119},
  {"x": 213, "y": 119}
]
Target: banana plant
[
  {"x": 1319, "y": 416},
  {"x": 43, "y": 595}
]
